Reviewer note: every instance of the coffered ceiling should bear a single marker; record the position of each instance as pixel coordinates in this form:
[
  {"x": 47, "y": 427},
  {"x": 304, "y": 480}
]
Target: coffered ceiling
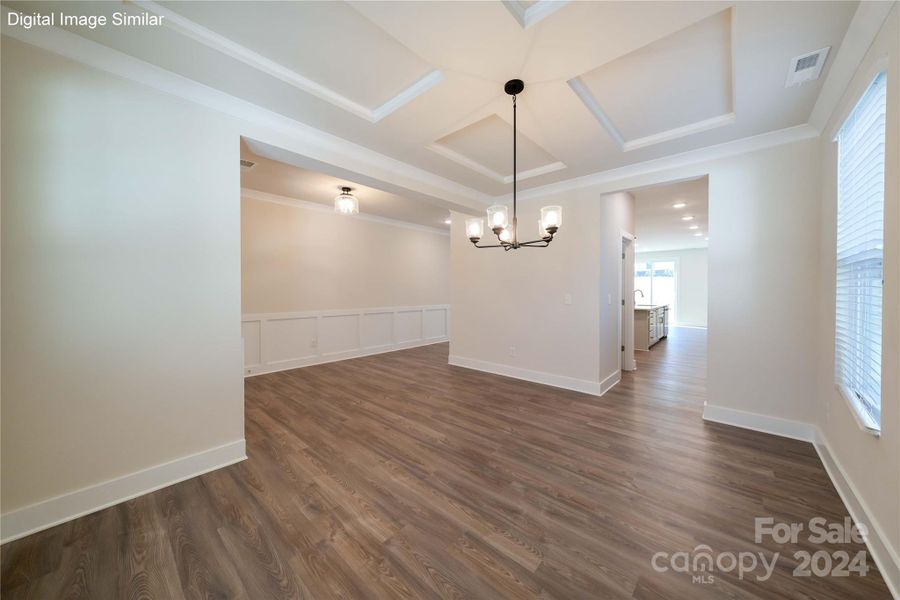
[{"x": 608, "y": 84}]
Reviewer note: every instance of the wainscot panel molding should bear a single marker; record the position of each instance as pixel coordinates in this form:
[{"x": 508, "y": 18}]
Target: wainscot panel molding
[
  {"x": 49, "y": 513},
  {"x": 281, "y": 341},
  {"x": 585, "y": 386}
]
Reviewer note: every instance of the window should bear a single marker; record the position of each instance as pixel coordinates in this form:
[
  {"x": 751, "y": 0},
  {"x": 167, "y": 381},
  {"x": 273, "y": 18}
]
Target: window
[
  {"x": 656, "y": 281},
  {"x": 860, "y": 254}
]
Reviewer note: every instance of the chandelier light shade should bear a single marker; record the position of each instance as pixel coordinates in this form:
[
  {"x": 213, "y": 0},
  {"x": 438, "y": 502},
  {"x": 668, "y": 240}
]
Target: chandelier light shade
[
  {"x": 346, "y": 203},
  {"x": 474, "y": 228},
  {"x": 498, "y": 215}
]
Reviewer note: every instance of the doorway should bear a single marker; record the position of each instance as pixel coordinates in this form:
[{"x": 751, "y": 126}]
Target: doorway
[
  {"x": 669, "y": 272},
  {"x": 626, "y": 304}
]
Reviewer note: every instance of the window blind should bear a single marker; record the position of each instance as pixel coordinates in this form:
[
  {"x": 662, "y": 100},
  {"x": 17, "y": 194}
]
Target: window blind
[{"x": 860, "y": 253}]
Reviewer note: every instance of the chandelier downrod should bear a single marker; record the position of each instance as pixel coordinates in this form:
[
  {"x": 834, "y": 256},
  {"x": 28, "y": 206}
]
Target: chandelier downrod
[{"x": 498, "y": 217}]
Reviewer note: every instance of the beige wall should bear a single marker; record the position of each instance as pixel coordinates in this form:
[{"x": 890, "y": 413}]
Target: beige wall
[
  {"x": 121, "y": 342},
  {"x": 871, "y": 464},
  {"x": 692, "y": 283},
  {"x": 763, "y": 264},
  {"x": 516, "y": 299},
  {"x": 301, "y": 259}
]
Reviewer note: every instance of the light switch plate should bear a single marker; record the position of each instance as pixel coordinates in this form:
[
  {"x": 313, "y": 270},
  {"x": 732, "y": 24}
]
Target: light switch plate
[{"x": 567, "y": 299}]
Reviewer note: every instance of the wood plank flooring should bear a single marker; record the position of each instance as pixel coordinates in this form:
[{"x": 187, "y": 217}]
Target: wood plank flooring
[{"x": 398, "y": 476}]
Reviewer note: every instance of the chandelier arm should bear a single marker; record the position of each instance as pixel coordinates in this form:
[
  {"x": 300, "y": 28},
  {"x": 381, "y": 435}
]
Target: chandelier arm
[
  {"x": 488, "y": 245},
  {"x": 535, "y": 244}
]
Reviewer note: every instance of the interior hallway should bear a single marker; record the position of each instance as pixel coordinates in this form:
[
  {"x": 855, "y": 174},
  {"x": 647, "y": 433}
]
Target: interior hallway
[{"x": 398, "y": 476}]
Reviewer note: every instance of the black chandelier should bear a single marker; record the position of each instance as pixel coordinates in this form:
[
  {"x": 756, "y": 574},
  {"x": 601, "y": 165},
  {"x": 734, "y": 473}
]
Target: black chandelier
[{"x": 498, "y": 215}]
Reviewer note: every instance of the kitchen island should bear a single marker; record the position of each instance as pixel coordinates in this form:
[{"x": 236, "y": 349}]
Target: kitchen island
[{"x": 651, "y": 324}]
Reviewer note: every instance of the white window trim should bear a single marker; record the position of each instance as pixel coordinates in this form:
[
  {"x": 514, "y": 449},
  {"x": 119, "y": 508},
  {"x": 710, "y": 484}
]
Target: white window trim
[
  {"x": 880, "y": 65},
  {"x": 862, "y": 418}
]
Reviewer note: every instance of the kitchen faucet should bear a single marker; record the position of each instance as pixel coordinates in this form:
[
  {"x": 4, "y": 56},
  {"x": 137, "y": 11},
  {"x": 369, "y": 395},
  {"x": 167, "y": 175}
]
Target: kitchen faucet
[{"x": 639, "y": 292}]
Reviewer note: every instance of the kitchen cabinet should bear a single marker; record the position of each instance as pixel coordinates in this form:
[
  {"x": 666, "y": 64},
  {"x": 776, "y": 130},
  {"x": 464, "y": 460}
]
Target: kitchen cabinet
[{"x": 651, "y": 324}]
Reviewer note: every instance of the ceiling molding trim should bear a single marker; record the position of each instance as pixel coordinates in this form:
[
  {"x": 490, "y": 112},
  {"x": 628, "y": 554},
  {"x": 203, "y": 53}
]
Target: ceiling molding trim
[
  {"x": 305, "y": 139},
  {"x": 862, "y": 31},
  {"x": 685, "y": 159},
  {"x": 581, "y": 90},
  {"x": 465, "y": 161},
  {"x": 526, "y": 16},
  {"x": 408, "y": 95},
  {"x": 325, "y": 208},
  {"x": 586, "y": 97},
  {"x": 488, "y": 172},
  {"x": 222, "y": 44},
  {"x": 685, "y": 130}
]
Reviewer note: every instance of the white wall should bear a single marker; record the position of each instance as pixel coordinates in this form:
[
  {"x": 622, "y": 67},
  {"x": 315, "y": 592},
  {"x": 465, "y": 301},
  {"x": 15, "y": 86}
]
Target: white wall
[
  {"x": 121, "y": 345},
  {"x": 763, "y": 262},
  {"x": 691, "y": 283},
  {"x": 319, "y": 287},
  {"x": 870, "y": 465},
  {"x": 302, "y": 259},
  {"x": 516, "y": 299}
]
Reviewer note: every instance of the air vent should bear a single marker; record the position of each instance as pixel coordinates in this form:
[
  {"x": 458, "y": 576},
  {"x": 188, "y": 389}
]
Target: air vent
[
  {"x": 806, "y": 67},
  {"x": 246, "y": 165}
]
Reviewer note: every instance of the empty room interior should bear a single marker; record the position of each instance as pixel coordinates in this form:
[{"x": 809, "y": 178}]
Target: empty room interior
[{"x": 426, "y": 300}]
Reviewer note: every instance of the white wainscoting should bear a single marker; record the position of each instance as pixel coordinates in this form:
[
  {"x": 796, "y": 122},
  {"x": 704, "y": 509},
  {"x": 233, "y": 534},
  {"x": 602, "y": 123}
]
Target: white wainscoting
[{"x": 280, "y": 341}]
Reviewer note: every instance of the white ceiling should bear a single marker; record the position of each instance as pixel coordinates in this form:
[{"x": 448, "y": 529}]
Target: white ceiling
[
  {"x": 608, "y": 84},
  {"x": 659, "y": 226},
  {"x": 289, "y": 183}
]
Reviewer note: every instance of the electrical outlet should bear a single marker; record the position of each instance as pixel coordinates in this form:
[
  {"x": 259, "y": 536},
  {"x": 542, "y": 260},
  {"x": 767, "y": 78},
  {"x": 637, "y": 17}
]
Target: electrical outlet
[
  {"x": 609, "y": 299},
  {"x": 512, "y": 351},
  {"x": 313, "y": 343}
]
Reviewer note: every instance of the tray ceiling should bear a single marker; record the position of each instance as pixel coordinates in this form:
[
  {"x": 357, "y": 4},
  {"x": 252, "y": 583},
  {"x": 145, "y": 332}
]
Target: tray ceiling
[{"x": 608, "y": 84}]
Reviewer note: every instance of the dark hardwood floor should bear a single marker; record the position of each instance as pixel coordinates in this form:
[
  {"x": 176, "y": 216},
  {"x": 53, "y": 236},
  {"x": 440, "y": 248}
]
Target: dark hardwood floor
[{"x": 398, "y": 476}]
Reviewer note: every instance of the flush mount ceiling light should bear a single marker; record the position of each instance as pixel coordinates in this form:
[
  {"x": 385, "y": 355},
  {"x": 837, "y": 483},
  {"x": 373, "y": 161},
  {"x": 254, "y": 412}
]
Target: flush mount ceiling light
[
  {"x": 687, "y": 218},
  {"x": 679, "y": 205},
  {"x": 346, "y": 203},
  {"x": 448, "y": 221},
  {"x": 694, "y": 227},
  {"x": 498, "y": 215},
  {"x": 698, "y": 234}
]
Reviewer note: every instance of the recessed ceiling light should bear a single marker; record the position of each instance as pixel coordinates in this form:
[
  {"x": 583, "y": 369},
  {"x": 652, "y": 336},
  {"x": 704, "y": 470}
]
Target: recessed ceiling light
[
  {"x": 694, "y": 227},
  {"x": 698, "y": 234},
  {"x": 706, "y": 238},
  {"x": 447, "y": 221},
  {"x": 687, "y": 218},
  {"x": 679, "y": 205}
]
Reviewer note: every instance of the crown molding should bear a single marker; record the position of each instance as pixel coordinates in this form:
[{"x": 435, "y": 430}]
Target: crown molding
[
  {"x": 683, "y": 159},
  {"x": 303, "y": 139},
  {"x": 476, "y": 166},
  {"x": 220, "y": 43},
  {"x": 593, "y": 105},
  {"x": 862, "y": 31},
  {"x": 333, "y": 150},
  {"x": 325, "y": 208}
]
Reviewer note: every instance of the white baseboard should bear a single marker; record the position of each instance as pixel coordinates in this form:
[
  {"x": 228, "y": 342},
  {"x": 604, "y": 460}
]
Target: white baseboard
[
  {"x": 561, "y": 381},
  {"x": 48, "y": 513},
  {"x": 882, "y": 553},
  {"x": 764, "y": 423}
]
